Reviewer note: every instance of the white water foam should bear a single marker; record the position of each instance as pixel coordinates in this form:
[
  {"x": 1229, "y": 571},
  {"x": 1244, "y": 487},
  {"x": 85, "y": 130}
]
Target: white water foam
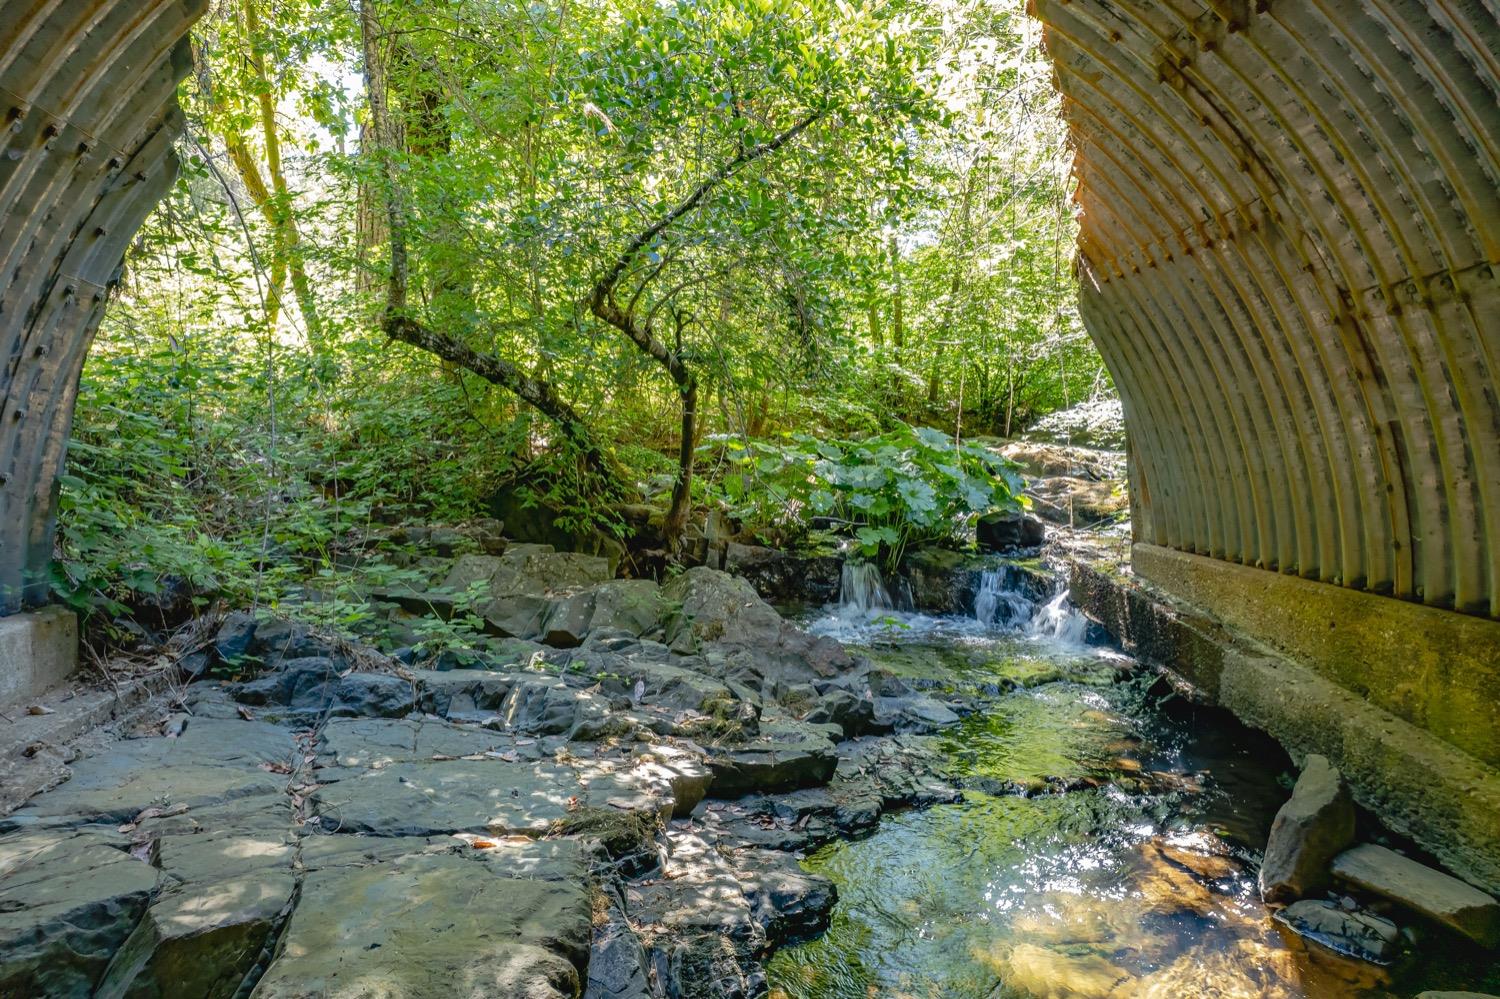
[{"x": 1059, "y": 621}]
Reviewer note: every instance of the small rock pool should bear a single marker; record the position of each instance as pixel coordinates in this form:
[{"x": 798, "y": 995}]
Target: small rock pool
[{"x": 1106, "y": 845}]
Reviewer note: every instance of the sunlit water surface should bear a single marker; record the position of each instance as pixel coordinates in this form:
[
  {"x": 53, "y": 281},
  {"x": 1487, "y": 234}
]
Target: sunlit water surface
[{"x": 1109, "y": 850}]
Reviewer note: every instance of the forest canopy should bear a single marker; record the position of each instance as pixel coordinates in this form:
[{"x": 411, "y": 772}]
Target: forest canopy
[{"x": 582, "y": 255}]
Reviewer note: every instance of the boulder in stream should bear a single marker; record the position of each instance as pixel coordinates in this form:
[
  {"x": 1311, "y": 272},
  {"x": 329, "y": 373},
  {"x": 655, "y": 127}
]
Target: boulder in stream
[
  {"x": 1309, "y": 830},
  {"x": 1008, "y": 532}
]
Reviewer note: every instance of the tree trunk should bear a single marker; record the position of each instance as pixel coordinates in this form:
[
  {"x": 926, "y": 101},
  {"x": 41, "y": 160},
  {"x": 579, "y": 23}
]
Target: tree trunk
[
  {"x": 288, "y": 247},
  {"x": 603, "y": 304},
  {"x": 398, "y": 324}
]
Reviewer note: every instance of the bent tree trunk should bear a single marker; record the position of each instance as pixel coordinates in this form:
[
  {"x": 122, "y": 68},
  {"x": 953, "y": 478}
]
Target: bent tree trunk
[
  {"x": 603, "y": 304},
  {"x": 397, "y": 321},
  {"x": 498, "y": 371}
]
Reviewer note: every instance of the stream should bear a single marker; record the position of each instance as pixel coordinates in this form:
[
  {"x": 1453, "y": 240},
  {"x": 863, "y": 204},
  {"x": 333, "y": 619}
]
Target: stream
[{"x": 1107, "y": 842}]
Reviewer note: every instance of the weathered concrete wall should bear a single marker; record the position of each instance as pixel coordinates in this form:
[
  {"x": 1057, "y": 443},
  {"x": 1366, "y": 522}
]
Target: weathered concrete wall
[
  {"x": 38, "y": 651},
  {"x": 1418, "y": 784},
  {"x": 1289, "y": 252},
  {"x": 87, "y": 91},
  {"x": 1437, "y": 670}
]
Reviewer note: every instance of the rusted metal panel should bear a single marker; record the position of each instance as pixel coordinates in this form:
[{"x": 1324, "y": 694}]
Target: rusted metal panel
[
  {"x": 1290, "y": 235},
  {"x": 88, "y": 98}
]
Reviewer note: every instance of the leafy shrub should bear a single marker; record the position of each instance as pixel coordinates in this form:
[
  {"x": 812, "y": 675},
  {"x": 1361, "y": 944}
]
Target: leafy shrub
[{"x": 911, "y": 485}]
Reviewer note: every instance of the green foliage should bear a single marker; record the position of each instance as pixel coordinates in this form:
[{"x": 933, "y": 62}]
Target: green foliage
[
  {"x": 904, "y": 260},
  {"x": 908, "y": 486}
]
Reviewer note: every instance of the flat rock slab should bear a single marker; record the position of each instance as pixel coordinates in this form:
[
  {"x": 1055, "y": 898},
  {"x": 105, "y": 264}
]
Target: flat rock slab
[
  {"x": 213, "y": 761},
  {"x": 428, "y": 798},
  {"x": 379, "y": 742},
  {"x": 433, "y": 927},
  {"x": 67, "y": 903},
  {"x": 112, "y": 791},
  {"x": 200, "y": 940},
  {"x": 785, "y": 757},
  {"x": 1429, "y": 892},
  {"x": 493, "y": 797}
]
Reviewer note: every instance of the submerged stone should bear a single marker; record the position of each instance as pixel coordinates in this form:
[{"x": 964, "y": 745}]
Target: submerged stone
[{"x": 1356, "y": 934}]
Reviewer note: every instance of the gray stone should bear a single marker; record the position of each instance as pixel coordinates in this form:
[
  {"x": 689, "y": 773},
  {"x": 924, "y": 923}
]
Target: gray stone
[
  {"x": 632, "y": 606},
  {"x": 313, "y": 688},
  {"x": 67, "y": 903},
  {"x": 913, "y": 713},
  {"x": 433, "y": 927},
  {"x": 462, "y": 693},
  {"x": 541, "y": 706},
  {"x": 685, "y": 773},
  {"x": 789, "y": 903},
  {"x": 536, "y": 571},
  {"x": 277, "y": 640},
  {"x": 112, "y": 790},
  {"x": 854, "y": 715},
  {"x": 378, "y": 742},
  {"x": 431, "y": 798},
  {"x": 232, "y": 642},
  {"x": 782, "y": 759},
  {"x": 1309, "y": 830},
  {"x": 700, "y": 935},
  {"x": 566, "y": 624},
  {"x": 1007, "y": 532},
  {"x": 617, "y": 961},
  {"x": 344, "y": 850},
  {"x": 223, "y": 841},
  {"x": 719, "y": 610},
  {"x": 784, "y": 577},
  {"x": 517, "y": 615},
  {"x": 1431, "y": 893},
  {"x": 200, "y": 940},
  {"x": 1354, "y": 934},
  {"x": 471, "y": 569}
]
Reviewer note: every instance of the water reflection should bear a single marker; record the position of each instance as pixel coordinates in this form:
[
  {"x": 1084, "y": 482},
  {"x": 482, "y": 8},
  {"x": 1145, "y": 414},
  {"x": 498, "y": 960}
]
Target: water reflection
[{"x": 1106, "y": 847}]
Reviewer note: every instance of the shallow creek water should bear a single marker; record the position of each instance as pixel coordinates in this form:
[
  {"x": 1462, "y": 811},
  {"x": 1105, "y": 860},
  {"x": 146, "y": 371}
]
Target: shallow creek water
[{"x": 1106, "y": 846}]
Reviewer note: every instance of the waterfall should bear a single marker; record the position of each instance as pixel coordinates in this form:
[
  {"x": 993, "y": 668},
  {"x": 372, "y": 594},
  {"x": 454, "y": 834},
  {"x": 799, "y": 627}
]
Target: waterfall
[
  {"x": 861, "y": 590},
  {"x": 994, "y": 604},
  {"x": 1059, "y": 620}
]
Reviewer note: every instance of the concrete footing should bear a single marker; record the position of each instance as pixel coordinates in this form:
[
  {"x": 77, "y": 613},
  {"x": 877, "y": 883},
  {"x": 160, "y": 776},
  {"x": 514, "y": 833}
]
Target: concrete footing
[
  {"x": 1419, "y": 784},
  {"x": 38, "y": 650}
]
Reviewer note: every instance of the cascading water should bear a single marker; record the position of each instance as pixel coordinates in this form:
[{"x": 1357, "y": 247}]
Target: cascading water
[
  {"x": 1060, "y": 621},
  {"x": 862, "y": 592},
  {"x": 995, "y": 604}
]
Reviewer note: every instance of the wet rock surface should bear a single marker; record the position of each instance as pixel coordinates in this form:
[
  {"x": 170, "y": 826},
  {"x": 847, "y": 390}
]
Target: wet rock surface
[
  {"x": 614, "y": 798},
  {"x": 608, "y": 800},
  {"x": 1309, "y": 830},
  {"x": 1346, "y": 931}
]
